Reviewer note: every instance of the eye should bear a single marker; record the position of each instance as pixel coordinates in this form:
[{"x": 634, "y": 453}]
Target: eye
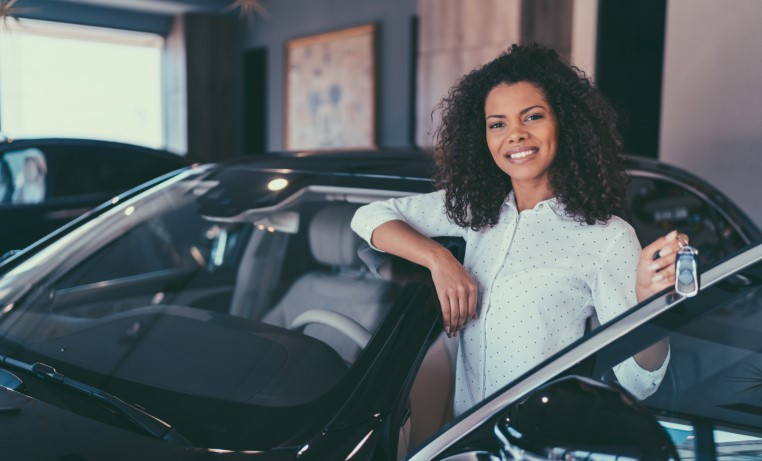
[
  {"x": 496, "y": 125},
  {"x": 535, "y": 117}
]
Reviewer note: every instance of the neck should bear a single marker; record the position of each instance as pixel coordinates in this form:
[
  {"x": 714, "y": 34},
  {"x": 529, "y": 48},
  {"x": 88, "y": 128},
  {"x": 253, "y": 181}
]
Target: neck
[{"x": 529, "y": 195}]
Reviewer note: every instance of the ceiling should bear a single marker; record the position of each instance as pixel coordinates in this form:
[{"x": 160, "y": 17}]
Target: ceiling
[{"x": 168, "y": 7}]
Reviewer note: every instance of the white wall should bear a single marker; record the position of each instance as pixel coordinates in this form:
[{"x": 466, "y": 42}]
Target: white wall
[
  {"x": 585, "y": 35},
  {"x": 456, "y": 38},
  {"x": 711, "y": 121}
]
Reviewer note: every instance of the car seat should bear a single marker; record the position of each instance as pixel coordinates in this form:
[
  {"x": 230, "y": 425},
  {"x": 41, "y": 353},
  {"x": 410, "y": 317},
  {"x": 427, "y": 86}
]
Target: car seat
[
  {"x": 342, "y": 295},
  {"x": 433, "y": 391}
]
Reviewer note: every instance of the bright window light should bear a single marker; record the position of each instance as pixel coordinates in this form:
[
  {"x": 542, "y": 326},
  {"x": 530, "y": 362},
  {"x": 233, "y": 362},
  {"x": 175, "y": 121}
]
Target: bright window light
[{"x": 61, "y": 80}]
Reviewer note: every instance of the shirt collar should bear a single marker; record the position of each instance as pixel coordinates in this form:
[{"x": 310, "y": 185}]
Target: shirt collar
[{"x": 554, "y": 204}]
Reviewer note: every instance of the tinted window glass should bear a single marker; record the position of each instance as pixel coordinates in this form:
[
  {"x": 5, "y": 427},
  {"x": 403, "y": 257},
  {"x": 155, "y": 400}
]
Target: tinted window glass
[
  {"x": 37, "y": 174},
  {"x": 185, "y": 302},
  {"x": 81, "y": 170},
  {"x": 714, "y": 376},
  {"x": 176, "y": 240}
]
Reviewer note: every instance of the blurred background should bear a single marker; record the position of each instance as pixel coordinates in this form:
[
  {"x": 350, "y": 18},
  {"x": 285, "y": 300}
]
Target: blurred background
[{"x": 210, "y": 79}]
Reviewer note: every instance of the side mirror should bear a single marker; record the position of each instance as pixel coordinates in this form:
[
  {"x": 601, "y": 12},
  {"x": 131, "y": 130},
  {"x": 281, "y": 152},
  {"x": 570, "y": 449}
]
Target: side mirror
[{"x": 576, "y": 418}]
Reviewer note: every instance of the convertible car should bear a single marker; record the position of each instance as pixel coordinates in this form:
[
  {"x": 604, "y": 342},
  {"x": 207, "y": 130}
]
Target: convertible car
[{"x": 228, "y": 312}]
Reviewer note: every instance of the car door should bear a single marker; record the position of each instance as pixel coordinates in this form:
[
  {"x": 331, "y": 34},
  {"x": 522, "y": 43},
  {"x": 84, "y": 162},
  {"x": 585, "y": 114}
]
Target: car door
[
  {"x": 710, "y": 398},
  {"x": 46, "y": 183}
]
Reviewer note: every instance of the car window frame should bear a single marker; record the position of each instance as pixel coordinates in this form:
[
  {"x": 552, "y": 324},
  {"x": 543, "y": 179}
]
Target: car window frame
[
  {"x": 576, "y": 352},
  {"x": 640, "y": 173}
]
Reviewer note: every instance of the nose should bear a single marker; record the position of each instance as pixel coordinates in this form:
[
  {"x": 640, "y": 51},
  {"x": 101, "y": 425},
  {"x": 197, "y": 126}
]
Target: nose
[{"x": 517, "y": 133}]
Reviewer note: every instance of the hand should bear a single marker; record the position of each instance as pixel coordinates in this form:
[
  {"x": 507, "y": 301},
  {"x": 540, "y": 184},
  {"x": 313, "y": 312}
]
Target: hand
[
  {"x": 657, "y": 274},
  {"x": 456, "y": 291}
]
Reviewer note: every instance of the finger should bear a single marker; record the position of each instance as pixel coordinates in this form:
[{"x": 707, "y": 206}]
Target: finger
[
  {"x": 472, "y": 303},
  {"x": 454, "y": 314},
  {"x": 664, "y": 261},
  {"x": 663, "y": 279},
  {"x": 674, "y": 245},
  {"x": 444, "y": 303},
  {"x": 658, "y": 265},
  {"x": 659, "y": 286},
  {"x": 656, "y": 246},
  {"x": 668, "y": 271},
  {"x": 463, "y": 303}
]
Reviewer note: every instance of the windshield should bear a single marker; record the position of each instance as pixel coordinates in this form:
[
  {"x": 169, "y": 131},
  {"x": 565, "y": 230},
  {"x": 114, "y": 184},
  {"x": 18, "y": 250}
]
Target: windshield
[{"x": 223, "y": 300}]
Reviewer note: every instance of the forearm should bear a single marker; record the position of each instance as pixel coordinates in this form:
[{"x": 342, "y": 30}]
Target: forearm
[
  {"x": 455, "y": 288},
  {"x": 652, "y": 357},
  {"x": 398, "y": 238}
]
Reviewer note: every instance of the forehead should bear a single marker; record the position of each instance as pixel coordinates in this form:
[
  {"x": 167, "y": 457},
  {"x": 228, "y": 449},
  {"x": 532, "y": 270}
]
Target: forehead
[{"x": 514, "y": 96}]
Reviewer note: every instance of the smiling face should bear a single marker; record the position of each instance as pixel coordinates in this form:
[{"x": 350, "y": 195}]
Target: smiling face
[{"x": 522, "y": 133}]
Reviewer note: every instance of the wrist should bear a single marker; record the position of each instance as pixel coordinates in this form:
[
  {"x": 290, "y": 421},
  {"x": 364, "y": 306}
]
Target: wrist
[
  {"x": 642, "y": 293},
  {"x": 436, "y": 255}
]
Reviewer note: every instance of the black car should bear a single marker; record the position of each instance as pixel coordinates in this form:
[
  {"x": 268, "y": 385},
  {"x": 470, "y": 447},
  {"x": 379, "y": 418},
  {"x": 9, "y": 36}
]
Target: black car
[
  {"x": 229, "y": 312},
  {"x": 44, "y": 183}
]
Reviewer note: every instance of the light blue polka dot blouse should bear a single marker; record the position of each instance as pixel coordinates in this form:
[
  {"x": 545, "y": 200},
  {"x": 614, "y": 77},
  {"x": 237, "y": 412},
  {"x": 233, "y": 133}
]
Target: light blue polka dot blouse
[{"x": 540, "y": 275}]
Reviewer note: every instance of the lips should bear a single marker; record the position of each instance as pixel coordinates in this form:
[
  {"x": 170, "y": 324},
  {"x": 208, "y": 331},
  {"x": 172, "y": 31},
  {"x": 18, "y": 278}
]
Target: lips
[{"x": 518, "y": 153}]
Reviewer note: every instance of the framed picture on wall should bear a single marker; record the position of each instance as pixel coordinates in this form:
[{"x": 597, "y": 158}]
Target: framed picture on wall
[{"x": 331, "y": 90}]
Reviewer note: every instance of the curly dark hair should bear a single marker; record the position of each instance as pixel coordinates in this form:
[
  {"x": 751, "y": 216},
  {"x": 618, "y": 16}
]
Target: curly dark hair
[{"x": 587, "y": 173}]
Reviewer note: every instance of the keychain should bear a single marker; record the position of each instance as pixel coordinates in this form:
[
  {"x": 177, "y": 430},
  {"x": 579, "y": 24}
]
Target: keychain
[{"x": 686, "y": 270}]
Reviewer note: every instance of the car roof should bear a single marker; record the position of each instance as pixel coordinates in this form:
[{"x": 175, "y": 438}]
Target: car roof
[
  {"x": 25, "y": 143},
  {"x": 392, "y": 163},
  {"x": 410, "y": 163},
  {"x": 401, "y": 162}
]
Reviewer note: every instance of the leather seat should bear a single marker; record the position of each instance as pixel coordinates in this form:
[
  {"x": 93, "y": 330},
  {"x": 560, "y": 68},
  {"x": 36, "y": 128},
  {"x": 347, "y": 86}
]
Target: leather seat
[{"x": 343, "y": 286}]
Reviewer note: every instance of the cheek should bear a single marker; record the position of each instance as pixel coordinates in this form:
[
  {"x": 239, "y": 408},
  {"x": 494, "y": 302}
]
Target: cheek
[
  {"x": 550, "y": 138},
  {"x": 493, "y": 144}
]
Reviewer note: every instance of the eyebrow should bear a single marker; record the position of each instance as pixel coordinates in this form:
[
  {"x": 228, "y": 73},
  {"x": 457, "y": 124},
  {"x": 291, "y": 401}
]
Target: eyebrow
[{"x": 523, "y": 111}]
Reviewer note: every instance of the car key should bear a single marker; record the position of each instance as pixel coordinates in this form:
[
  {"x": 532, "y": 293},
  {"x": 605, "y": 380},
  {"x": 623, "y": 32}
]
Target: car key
[{"x": 687, "y": 271}]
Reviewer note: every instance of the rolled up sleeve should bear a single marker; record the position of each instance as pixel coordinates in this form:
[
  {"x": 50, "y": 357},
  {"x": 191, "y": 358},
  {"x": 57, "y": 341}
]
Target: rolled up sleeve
[
  {"x": 640, "y": 382},
  {"x": 614, "y": 293},
  {"x": 425, "y": 213}
]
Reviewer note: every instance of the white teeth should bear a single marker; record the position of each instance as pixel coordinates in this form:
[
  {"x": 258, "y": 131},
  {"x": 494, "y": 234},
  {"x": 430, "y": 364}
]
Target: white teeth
[{"x": 523, "y": 154}]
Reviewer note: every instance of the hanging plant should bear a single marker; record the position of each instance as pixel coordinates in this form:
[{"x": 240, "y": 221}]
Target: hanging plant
[
  {"x": 248, "y": 9},
  {"x": 9, "y": 11}
]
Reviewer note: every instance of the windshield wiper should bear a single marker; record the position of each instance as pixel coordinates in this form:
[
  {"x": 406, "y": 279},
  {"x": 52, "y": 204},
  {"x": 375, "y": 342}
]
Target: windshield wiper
[{"x": 150, "y": 424}]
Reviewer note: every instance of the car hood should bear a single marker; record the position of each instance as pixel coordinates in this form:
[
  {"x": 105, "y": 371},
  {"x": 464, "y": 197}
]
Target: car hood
[{"x": 32, "y": 429}]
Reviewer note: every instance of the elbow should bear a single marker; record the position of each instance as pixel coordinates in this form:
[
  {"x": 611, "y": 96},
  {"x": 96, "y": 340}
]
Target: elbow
[{"x": 357, "y": 219}]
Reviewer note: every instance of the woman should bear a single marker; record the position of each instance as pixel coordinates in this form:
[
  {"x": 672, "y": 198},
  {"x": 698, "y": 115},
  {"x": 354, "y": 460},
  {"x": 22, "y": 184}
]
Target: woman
[{"x": 528, "y": 160}]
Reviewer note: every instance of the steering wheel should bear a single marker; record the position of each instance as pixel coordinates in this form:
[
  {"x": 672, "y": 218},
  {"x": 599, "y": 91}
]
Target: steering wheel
[{"x": 340, "y": 322}]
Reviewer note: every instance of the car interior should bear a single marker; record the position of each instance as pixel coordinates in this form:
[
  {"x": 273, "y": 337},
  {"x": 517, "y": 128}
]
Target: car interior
[
  {"x": 296, "y": 271},
  {"x": 311, "y": 281}
]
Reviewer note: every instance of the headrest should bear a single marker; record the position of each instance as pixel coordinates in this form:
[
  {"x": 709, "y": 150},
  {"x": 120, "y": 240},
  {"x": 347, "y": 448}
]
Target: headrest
[{"x": 331, "y": 239}]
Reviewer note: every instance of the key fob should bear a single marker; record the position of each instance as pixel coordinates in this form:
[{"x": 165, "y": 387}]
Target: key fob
[{"x": 687, "y": 271}]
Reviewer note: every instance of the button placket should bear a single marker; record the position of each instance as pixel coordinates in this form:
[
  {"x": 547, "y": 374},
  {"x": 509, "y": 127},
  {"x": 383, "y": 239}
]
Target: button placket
[{"x": 505, "y": 249}]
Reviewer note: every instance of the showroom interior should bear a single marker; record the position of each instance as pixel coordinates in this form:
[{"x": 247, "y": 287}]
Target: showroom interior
[
  {"x": 188, "y": 190},
  {"x": 684, "y": 74}
]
